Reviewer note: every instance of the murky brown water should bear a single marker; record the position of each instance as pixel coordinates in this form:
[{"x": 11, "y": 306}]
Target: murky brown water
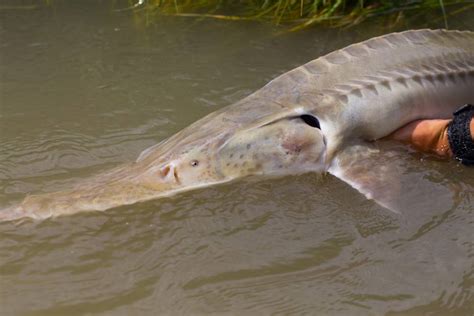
[{"x": 84, "y": 89}]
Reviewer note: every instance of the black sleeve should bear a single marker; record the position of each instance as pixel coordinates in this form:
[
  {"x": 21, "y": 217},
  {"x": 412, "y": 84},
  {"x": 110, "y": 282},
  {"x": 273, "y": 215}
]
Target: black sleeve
[{"x": 459, "y": 135}]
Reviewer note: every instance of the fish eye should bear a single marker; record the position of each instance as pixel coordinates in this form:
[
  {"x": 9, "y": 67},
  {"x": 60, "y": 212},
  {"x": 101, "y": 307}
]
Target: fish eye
[
  {"x": 194, "y": 163},
  {"x": 311, "y": 120}
]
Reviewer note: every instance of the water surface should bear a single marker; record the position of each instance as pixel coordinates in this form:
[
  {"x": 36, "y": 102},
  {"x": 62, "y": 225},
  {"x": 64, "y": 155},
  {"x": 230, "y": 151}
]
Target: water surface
[{"x": 84, "y": 88}]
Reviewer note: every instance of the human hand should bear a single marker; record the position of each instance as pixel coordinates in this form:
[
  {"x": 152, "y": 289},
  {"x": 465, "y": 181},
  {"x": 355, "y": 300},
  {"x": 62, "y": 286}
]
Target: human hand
[{"x": 426, "y": 135}]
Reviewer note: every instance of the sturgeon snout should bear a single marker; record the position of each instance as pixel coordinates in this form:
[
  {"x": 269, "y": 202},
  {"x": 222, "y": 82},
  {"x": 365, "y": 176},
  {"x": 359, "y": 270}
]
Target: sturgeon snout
[{"x": 288, "y": 145}]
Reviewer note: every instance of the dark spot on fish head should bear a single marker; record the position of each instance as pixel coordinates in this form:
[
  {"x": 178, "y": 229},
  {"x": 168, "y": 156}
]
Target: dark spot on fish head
[{"x": 294, "y": 148}]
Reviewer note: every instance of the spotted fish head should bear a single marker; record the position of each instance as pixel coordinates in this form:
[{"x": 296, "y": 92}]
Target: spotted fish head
[{"x": 286, "y": 145}]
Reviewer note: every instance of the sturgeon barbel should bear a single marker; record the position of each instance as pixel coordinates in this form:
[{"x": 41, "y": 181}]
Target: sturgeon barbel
[{"x": 320, "y": 117}]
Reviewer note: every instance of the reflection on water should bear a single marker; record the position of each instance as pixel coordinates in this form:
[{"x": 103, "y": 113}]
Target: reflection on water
[{"x": 83, "y": 89}]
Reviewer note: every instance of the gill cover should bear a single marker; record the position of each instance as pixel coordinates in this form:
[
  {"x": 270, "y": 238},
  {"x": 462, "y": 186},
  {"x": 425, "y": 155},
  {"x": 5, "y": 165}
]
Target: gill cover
[{"x": 289, "y": 145}]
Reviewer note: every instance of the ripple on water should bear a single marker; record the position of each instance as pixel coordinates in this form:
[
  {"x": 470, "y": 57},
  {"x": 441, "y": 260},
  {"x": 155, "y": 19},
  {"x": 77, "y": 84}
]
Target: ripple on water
[
  {"x": 64, "y": 156},
  {"x": 294, "y": 245},
  {"x": 233, "y": 248}
]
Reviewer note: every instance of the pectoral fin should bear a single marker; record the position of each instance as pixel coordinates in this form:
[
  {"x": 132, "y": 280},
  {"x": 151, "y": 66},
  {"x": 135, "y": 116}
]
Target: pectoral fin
[{"x": 391, "y": 178}]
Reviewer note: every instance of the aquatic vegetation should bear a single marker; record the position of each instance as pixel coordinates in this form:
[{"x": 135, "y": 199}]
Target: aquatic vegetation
[{"x": 300, "y": 13}]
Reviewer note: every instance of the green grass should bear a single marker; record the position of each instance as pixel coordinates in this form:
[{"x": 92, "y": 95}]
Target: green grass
[{"x": 298, "y": 13}]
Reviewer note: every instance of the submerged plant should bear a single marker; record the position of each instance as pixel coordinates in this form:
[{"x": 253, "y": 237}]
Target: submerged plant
[{"x": 302, "y": 13}]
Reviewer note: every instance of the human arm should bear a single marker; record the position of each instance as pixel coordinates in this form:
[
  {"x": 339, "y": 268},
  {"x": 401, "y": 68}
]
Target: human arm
[{"x": 439, "y": 135}]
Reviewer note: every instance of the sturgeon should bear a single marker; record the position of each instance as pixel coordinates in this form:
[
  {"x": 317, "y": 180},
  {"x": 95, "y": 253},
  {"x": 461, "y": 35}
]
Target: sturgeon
[{"x": 320, "y": 117}]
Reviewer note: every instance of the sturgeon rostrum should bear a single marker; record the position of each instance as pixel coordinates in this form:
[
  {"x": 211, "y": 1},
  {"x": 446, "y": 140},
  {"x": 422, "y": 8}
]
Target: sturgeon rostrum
[{"x": 320, "y": 117}]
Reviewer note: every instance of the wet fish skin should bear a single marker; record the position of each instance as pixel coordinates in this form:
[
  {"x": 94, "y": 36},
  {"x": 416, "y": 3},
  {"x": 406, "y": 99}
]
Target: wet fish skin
[{"x": 357, "y": 94}]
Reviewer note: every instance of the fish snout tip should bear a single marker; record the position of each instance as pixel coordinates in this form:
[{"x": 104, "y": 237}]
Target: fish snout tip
[{"x": 14, "y": 213}]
